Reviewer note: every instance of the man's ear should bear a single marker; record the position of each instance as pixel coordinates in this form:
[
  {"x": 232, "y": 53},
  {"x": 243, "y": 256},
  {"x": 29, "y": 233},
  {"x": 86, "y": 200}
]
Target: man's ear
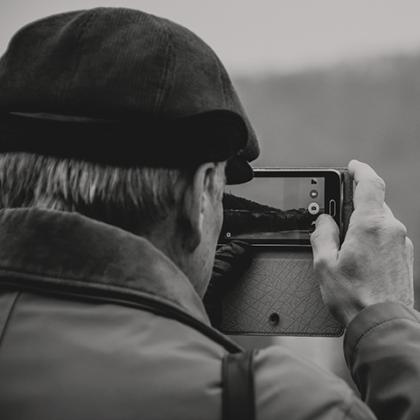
[{"x": 197, "y": 198}]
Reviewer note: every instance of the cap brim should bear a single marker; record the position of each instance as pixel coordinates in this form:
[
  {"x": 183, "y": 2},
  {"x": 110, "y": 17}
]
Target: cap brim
[
  {"x": 212, "y": 136},
  {"x": 238, "y": 171},
  {"x": 226, "y": 134}
]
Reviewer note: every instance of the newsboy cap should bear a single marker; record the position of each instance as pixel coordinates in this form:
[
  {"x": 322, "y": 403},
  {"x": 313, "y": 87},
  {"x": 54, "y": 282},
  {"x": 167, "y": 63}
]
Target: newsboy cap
[{"x": 122, "y": 87}]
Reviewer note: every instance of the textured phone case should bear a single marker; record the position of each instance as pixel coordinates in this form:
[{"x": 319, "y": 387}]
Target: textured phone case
[{"x": 279, "y": 294}]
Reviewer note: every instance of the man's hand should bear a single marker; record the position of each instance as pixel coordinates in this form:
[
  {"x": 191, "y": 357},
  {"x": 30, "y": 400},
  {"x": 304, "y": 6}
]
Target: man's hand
[
  {"x": 375, "y": 261},
  {"x": 231, "y": 261}
]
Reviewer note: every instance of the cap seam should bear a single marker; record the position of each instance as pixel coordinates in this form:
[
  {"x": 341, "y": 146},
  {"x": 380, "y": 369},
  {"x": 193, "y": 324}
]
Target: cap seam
[
  {"x": 222, "y": 83},
  {"x": 164, "y": 85},
  {"x": 84, "y": 26}
]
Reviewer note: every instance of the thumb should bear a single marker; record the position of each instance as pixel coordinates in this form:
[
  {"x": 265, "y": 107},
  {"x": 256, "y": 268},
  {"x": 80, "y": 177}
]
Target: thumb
[{"x": 325, "y": 239}]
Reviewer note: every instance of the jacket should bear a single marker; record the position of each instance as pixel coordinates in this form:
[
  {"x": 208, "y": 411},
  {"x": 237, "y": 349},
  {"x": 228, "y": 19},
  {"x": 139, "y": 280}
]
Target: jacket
[{"x": 76, "y": 342}]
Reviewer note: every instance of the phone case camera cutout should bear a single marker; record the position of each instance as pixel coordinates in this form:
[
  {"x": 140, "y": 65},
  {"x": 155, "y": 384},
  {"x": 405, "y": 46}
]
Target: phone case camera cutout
[{"x": 275, "y": 212}]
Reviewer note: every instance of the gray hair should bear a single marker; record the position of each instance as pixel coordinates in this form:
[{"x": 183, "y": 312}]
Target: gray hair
[{"x": 135, "y": 199}]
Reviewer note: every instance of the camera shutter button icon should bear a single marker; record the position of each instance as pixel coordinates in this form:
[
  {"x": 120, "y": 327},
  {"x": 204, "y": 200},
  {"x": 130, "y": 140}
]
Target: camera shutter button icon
[{"x": 313, "y": 208}]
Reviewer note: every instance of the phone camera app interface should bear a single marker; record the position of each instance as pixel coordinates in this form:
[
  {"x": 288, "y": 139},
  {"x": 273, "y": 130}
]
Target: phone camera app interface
[
  {"x": 313, "y": 208},
  {"x": 276, "y": 208},
  {"x": 313, "y": 193}
]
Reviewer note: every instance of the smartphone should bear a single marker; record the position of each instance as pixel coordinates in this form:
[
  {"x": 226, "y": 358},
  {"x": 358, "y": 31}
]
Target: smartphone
[
  {"x": 275, "y": 212},
  {"x": 280, "y": 206}
]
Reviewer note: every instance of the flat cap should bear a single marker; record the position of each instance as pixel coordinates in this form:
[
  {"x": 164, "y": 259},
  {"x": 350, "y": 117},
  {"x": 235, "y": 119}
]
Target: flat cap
[{"x": 122, "y": 87}]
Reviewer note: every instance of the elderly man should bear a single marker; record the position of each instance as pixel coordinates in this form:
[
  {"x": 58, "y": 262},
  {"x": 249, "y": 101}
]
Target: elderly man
[{"x": 118, "y": 132}]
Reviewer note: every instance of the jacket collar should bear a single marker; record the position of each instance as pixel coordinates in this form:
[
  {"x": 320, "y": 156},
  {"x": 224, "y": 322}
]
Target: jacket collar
[{"x": 70, "y": 246}]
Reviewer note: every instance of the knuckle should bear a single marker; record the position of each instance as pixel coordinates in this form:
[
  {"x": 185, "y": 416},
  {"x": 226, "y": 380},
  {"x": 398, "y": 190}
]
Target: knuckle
[
  {"x": 380, "y": 225},
  {"x": 397, "y": 228},
  {"x": 379, "y": 183}
]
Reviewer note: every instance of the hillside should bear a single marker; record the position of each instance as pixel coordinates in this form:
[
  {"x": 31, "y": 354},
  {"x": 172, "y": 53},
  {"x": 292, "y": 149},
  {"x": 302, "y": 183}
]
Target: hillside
[
  {"x": 242, "y": 216},
  {"x": 234, "y": 202}
]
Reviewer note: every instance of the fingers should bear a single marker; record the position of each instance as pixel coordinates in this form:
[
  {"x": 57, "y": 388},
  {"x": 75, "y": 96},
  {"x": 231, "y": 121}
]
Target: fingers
[
  {"x": 325, "y": 240},
  {"x": 232, "y": 259},
  {"x": 370, "y": 187},
  {"x": 233, "y": 249}
]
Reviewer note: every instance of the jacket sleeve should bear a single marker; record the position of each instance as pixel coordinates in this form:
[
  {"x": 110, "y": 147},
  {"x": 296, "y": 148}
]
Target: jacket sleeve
[
  {"x": 288, "y": 387},
  {"x": 382, "y": 350}
]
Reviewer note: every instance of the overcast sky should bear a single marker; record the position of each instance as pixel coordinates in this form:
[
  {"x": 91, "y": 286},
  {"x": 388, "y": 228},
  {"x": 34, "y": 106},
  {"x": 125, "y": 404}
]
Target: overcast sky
[{"x": 268, "y": 35}]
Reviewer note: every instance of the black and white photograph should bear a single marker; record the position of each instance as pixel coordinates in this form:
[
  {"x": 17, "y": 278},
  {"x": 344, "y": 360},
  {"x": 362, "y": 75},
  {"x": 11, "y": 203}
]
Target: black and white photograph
[{"x": 209, "y": 210}]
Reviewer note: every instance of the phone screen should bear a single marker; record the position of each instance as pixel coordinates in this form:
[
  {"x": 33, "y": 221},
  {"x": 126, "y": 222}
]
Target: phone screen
[{"x": 278, "y": 207}]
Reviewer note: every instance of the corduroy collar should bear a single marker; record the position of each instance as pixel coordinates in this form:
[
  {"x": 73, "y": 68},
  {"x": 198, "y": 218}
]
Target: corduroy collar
[{"x": 68, "y": 246}]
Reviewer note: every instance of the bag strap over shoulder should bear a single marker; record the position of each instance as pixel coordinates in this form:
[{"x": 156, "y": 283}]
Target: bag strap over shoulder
[{"x": 238, "y": 386}]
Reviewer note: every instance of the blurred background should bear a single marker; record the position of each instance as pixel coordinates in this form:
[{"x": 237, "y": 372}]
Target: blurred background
[{"x": 323, "y": 81}]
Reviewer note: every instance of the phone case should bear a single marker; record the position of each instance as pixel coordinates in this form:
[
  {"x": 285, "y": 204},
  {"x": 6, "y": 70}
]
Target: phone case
[{"x": 279, "y": 294}]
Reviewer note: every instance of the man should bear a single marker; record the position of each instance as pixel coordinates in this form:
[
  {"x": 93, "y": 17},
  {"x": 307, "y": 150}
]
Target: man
[{"x": 118, "y": 130}]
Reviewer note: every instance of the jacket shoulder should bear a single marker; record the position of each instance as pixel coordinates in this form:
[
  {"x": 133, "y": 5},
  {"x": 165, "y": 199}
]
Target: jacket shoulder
[{"x": 140, "y": 364}]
